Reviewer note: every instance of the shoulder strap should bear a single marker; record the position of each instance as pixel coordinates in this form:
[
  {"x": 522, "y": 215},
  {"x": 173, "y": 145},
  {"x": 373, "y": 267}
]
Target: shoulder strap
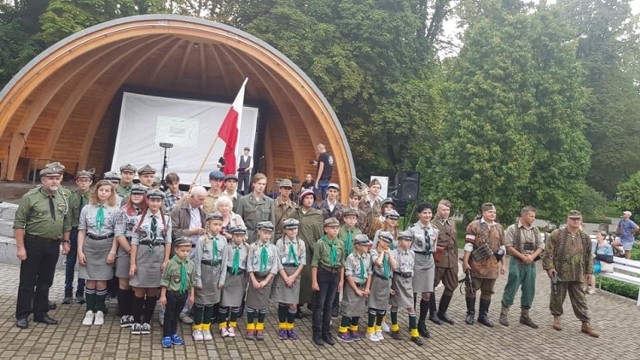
[{"x": 516, "y": 237}]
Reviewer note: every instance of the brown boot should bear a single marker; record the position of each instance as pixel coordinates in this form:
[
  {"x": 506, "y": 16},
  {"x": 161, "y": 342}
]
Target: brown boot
[
  {"x": 586, "y": 328},
  {"x": 557, "y": 322},
  {"x": 526, "y": 320},
  {"x": 503, "y": 316}
]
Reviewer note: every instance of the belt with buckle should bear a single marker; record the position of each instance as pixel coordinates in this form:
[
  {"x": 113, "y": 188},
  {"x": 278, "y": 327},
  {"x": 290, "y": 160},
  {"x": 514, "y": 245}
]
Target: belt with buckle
[
  {"x": 151, "y": 243},
  {"x": 380, "y": 276},
  {"x": 230, "y": 270},
  {"x": 210, "y": 263},
  {"x": 334, "y": 270},
  {"x": 34, "y": 237},
  {"x": 96, "y": 237},
  {"x": 420, "y": 252},
  {"x": 405, "y": 275}
]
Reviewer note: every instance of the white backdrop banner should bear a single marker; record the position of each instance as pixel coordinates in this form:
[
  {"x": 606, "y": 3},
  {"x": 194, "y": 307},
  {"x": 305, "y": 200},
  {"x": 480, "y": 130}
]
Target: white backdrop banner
[{"x": 190, "y": 125}]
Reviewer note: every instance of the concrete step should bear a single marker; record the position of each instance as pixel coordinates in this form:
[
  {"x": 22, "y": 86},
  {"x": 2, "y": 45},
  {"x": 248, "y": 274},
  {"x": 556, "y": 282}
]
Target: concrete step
[
  {"x": 8, "y": 253},
  {"x": 6, "y": 227},
  {"x": 8, "y": 210}
]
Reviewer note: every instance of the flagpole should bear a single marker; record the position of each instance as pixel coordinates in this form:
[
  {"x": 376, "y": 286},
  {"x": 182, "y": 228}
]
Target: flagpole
[{"x": 204, "y": 161}]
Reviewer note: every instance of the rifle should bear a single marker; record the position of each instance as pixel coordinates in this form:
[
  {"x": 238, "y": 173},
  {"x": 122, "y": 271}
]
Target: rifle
[
  {"x": 554, "y": 284},
  {"x": 468, "y": 280}
]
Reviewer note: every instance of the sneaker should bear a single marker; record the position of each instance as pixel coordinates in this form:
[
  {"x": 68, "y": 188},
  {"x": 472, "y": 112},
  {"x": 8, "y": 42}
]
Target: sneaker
[
  {"x": 68, "y": 299},
  {"x": 80, "y": 298},
  {"x": 345, "y": 337},
  {"x": 417, "y": 340},
  {"x": 283, "y": 334},
  {"x": 184, "y": 317},
  {"x": 166, "y": 342},
  {"x": 224, "y": 332},
  {"x": 259, "y": 335},
  {"x": 355, "y": 335},
  {"x": 98, "y": 318},
  {"x": 136, "y": 329},
  {"x": 145, "y": 329},
  {"x": 379, "y": 335},
  {"x": 125, "y": 321},
  {"x": 176, "y": 339},
  {"x": 206, "y": 334},
  {"x": 292, "y": 334},
  {"x": 385, "y": 327},
  {"x": 250, "y": 335},
  {"x": 197, "y": 335},
  {"x": 88, "y": 318},
  {"x": 373, "y": 337},
  {"x": 232, "y": 331}
]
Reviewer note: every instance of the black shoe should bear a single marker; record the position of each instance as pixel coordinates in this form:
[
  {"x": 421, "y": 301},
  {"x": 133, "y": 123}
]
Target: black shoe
[
  {"x": 395, "y": 335},
  {"x": 484, "y": 310},
  {"x": 22, "y": 323},
  {"x": 300, "y": 315},
  {"x": 52, "y": 305},
  {"x": 46, "y": 319},
  {"x": 422, "y": 330},
  {"x": 446, "y": 318},
  {"x": 469, "y": 319},
  {"x": 318, "y": 340},
  {"x": 435, "y": 319},
  {"x": 471, "y": 310},
  {"x": 68, "y": 299},
  {"x": 80, "y": 298},
  {"x": 484, "y": 320},
  {"x": 328, "y": 339},
  {"x": 417, "y": 340}
]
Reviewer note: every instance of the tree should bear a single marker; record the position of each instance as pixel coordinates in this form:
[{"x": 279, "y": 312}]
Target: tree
[
  {"x": 629, "y": 194},
  {"x": 515, "y": 132}
]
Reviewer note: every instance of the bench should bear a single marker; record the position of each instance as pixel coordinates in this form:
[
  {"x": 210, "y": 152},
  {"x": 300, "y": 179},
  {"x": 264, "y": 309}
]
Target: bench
[{"x": 624, "y": 270}]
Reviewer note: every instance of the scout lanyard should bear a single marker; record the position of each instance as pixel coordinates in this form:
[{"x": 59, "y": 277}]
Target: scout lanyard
[{"x": 292, "y": 254}]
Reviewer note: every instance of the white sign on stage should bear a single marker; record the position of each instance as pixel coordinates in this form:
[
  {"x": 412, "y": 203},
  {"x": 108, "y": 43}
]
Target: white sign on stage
[{"x": 384, "y": 185}]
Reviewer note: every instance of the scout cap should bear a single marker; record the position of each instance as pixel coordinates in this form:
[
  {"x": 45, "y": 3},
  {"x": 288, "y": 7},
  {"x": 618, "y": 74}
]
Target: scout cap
[
  {"x": 405, "y": 235},
  {"x": 84, "y": 174},
  {"x": 392, "y": 214},
  {"x": 291, "y": 223},
  {"x": 349, "y": 212},
  {"x": 362, "y": 239},
  {"x": 286, "y": 183},
  {"x": 488, "y": 206},
  {"x": 331, "y": 222},
  {"x": 216, "y": 175},
  {"x": 52, "y": 169},
  {"x": 307, "y": 193},
  {"x": 265, "y": 225},
  {"x": 387, "y": 201},
  {"x": 182, "y": 241},
  {"x": 238, "y": 230},
  {"x": 230, "y": 177},
  {"x": 155, "y": 194},
  {"x": 385, "y": 236},
  {"x": 128, "y": 167},
  {"x": 214, "y": 216},
  {"x": 575, "y": 214},
  {"x": 137, "y": 189},
  {"x": 147, "y": 169},
  {"x": 333, "y": 185},
  {"x": 112, "y": 176}
]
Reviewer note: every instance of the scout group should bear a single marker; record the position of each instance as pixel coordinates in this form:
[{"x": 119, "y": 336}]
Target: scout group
[{"x": 215, "y": 254}]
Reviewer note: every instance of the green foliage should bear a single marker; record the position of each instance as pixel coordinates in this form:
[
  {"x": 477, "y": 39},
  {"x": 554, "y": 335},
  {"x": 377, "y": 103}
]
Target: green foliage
[
  {"x": 591, "y": 203},
  {"x": 618, "y": 287},
  {"x": 629, "y": 194}
]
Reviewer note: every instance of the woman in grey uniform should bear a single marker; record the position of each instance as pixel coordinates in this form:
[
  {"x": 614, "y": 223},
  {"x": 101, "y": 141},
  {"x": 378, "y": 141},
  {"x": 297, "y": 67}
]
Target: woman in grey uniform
[
  {"x": 383, "y": 266},
  {"x": 150, "y": 248},
  {"x": 286, "y": 288},
  {"x": 262, "y": 267},
  {"x": 402, "y": 286},
  {"x": 208, "y": 258},
  {"x": 97, "y": 249},
  {"x": 233, "y": 280},
  {"x": 423, "y": 246},
  {"x": 125, "y": 224}
]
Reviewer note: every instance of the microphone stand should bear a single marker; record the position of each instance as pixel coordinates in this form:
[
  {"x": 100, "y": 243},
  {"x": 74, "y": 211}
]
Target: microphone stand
[{"x": 163, "y": 182}]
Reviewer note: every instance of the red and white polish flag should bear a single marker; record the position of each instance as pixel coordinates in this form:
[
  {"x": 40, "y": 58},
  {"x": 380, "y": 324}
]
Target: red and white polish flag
[{"x": 229, "y": 131}]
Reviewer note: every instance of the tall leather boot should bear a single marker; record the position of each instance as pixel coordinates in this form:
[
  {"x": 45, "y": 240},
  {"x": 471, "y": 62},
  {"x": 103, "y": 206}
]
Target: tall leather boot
[
  {"x": 484, "y": 310},
  {"x": 471, "y": 310},
  {"x": 422, "y": 325},
  {"x": 442, "y": 309},
  {"x": 433, "y": 314}
]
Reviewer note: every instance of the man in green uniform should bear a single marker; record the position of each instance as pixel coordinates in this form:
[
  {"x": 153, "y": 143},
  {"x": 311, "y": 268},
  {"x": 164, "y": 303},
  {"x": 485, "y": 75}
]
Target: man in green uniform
[
  {"x": 256, "y": 207},
  {"x": 127, "y": 173},
  {"x": 146, "y": 175},
  {"x": 567, "y": 258},
  {"x": 284, "y": 207},
  {"x": 77, "y": 200},
  {"x": 42, "y": 221}
]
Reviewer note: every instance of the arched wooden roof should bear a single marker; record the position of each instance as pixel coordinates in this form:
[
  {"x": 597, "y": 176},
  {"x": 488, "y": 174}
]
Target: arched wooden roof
[{"x": 59, "y": 106}]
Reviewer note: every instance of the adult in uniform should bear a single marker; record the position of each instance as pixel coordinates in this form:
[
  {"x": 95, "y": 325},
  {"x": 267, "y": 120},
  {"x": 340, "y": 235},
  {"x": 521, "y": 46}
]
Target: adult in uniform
[
  {"x": 354, "y": 203},
  {"x": 256, "y": 207},
  {"x": 568, "y": 256},
  {"x": 425, "y": 235},
  {"x": 484, "y": 255},
  {"x": 524, "y": 244},
  {"x": 114, "y": 178},
  {"x": 77, "y": 200},
  {"x": 127, "y": 173},
  {"x": 41, "y": 222},
  {"x": 371, "y": 203},
  {"x": 245, "y": 165},
  {"x": 330, "y": 206},
  {"x": 216, "y": 178},
  {"x": 284, "y": 207},
  {"x": 447, "y": 266},
  {"x": 146, "y": 175}
]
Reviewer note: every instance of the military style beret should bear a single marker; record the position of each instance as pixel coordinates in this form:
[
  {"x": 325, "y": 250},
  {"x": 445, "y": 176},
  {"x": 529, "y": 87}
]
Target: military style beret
[
  {"x": 265, "y": 225},
  {"x": 331, "y": 222},
  {"x": 128, "y": 167},
  {"x": 214, "y": 216},
  {"x": 85, "y": 173},
  {"x": 238, "y": 230},
  {"x": 385, "y": 236},
  {"x": 230, "y": 177},
  {"x": 182, "y": 241},
  {"x": 333, "y": 185},
  {"x": 52, "y": 169},
  {"x": 138, "y": 189},
  {"x": 349, "y": 212},
  {"x": 147, "y": 169},
  {"x": 362, "y": 239},
  {"x": 155, "y": 194},
  {"x": 392, "y": 214},
  {"x": 286, "y": 183},
  {"x": 216, "y": 174},
  {"x": 405, "y": 235},
  {"x": 111, "y": 176},
  {"x": 291, "y": 223}
]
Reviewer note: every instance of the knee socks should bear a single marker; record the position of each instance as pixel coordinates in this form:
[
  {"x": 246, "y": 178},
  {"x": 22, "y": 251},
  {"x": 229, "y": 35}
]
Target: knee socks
[
  {"x": 223, "y": 314},
  {"x": 208, "y": 314},
  {"x": 198, "y": 314},
  {"x": 262, "y": 314},
  {"x": 149, "y": 307},
  {"x": 233, "y": 318},
  {"x": 283, "y": 310},
  {"x": 371, "y": 321},
  {"x": 138, "y": 305},
  {"x": 124, "y": 301},
  {"x": 90, "y": 298},
  {"x": 344, "y": 325},
  {"x": 251, "y": 318},
  {"x": 291, "y": 319},
  {"x": 101, "y": 296},
  {"x": 379, "y": 317},
  {"x": 413, "y": 325},
  {"x": 353, "y": 327},
  {"x": 394, "y": 319},
  {"x": 424, "y": 308}
]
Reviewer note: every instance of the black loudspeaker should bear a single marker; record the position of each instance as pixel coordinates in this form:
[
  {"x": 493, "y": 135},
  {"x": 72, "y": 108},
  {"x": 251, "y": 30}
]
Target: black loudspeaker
[{"x": 408, "y": 185}]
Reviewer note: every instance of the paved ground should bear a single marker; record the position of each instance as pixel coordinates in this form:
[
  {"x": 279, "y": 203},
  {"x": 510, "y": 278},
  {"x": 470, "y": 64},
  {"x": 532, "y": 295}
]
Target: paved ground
[{"x": 616, "y": 318}]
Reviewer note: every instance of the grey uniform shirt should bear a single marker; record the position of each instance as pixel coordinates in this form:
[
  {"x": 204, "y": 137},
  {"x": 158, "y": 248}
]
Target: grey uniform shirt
[
  {"x": 89, "y": 215},
  {"x": 163, "y": 229},
  {"x": 204, "y": 251},
  {"x": 253, "y": 260},
  {"x": 282, "y": 245},
  {"x": 125, "y": 224},
  {"x": 404, "y": 259},
  {"x": 352, "y": 267},
  {"x": 227, "y": 259}
]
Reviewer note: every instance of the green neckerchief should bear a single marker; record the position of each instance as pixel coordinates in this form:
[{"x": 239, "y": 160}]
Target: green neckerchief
[
  {"x": 214, "y": 250},
  {"x": 183, "y": 273},
  {"x": 264, "y": 258},
  {"x": 363, "y": 274},
  {"x": 235, "y": 265},
  {"x": 292, "y": 256},
  {"x": 333, "y": 255},
  {"x": 385, "y": 266},
  {"x": 347, "y": 243},
  {"x": 100, "y": 218}
]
